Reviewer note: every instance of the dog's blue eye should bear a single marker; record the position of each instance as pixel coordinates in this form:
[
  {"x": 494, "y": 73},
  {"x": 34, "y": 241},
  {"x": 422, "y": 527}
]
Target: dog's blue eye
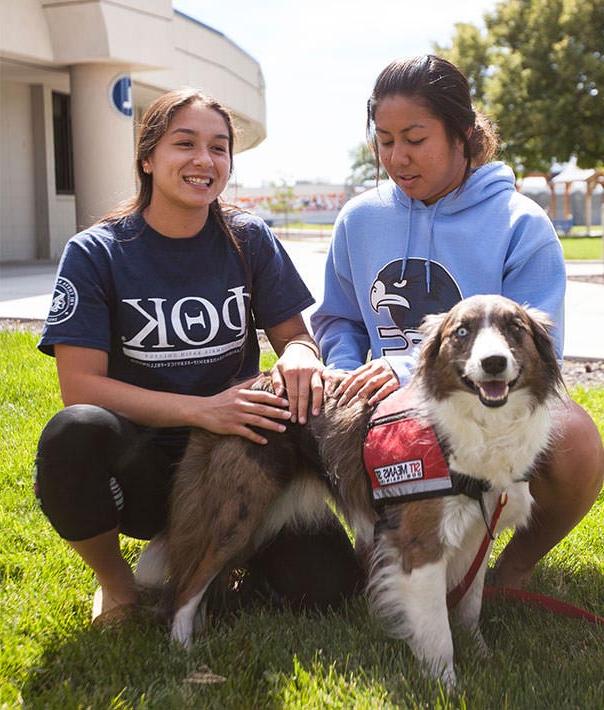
[{"x": 462, "y": 331}]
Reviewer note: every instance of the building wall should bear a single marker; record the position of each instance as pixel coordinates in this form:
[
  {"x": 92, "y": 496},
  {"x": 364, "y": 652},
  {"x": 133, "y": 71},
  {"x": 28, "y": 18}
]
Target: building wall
[
  {"x": 206, "y": 59},
  {"x": 35, "y": 43},
  {"x": 132, "y": 32},
  {"x": 63, "y": 225},
  {"x": 25, "y": 208},
  {"x": 55, "y": 213},
  {"x": 17, "y": 196},
  {"x": 43, "y": 46}
]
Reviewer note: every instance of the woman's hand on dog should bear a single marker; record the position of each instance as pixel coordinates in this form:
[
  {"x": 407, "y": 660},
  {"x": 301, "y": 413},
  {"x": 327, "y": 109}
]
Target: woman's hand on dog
[
  {"x": 238, "y": 408},
  {"x": 298, "y": 372},
  {"x": 371, "y": 382}
]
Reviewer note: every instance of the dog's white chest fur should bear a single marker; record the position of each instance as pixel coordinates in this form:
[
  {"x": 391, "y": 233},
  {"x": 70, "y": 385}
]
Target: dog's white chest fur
[{"x": 499, "y": 445}]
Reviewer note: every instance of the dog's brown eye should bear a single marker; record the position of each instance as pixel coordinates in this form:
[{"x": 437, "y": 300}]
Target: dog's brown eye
[{"x": 462, "y": 331}]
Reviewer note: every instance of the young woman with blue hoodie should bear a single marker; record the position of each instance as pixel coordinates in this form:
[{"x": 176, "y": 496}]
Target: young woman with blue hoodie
[{"x": 447, "y": 225}]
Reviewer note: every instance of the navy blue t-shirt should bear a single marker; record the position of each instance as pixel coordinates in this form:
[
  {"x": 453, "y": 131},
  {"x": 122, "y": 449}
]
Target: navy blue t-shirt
[{"x": 175, "y": 315}]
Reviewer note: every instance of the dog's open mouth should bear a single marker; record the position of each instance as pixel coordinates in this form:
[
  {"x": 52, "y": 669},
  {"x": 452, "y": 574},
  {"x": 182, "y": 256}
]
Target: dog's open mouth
[{"x": 491, "y": 393}]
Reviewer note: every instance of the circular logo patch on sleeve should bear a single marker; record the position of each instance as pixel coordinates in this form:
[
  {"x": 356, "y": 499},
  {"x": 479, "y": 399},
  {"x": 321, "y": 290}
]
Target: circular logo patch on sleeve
[{"x": 64, "y": 302}]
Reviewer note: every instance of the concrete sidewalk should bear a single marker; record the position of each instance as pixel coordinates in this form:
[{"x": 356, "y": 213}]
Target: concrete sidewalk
[{"x": 25, "y": 293}]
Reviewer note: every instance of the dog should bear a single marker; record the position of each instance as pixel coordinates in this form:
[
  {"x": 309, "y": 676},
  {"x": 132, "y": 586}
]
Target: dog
[{"x": 485, "y": 384}]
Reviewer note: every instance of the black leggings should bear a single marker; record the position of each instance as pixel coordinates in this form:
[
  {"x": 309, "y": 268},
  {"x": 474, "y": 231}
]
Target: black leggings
[{"x": 96, "y": 471}]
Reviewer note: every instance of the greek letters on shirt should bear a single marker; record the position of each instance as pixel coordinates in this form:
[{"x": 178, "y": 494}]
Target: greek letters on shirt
[
  {"x": 165, "y": 333},
  {"x": 173, "y": 315}
]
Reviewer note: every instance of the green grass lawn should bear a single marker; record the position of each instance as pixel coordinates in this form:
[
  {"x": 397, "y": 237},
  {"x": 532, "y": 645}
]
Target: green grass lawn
[
  {"x": 51, "y": 658},
  {"x": 582, "y": 247}
]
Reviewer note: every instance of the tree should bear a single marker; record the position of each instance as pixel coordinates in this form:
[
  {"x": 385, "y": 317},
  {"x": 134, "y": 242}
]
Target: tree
[
  {"x": 363, "y": 168},
  {"x": 283, "y": 200},
  {"x": 538, "y": 70},
  {"x": 469, "y": 52}
]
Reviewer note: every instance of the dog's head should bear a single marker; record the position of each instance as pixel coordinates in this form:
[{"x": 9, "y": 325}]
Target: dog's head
[{"x": 489, "y": 346}]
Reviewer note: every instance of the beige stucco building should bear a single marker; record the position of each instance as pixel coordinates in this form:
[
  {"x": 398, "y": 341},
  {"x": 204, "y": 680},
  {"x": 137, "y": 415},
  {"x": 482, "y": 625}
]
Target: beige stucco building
[{"x": 74, "y": 77}]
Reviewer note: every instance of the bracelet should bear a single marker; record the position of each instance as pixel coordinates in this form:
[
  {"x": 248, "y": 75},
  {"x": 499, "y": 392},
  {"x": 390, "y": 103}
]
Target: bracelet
[{"x": 309, "y": 344}]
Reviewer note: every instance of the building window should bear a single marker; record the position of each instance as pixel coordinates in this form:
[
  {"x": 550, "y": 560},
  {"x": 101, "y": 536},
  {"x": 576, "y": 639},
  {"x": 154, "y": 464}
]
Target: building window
[{"x": 61, "y": 121}]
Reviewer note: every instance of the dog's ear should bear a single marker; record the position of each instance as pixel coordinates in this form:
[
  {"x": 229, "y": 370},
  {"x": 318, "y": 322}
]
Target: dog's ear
[
  {"x": 431, "y": 329},
  {"x": 540, "y": 318},
  {"x": 541, "y": 328}
]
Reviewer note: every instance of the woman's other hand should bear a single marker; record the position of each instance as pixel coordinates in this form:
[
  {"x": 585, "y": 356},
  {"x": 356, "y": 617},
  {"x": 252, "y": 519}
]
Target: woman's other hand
[
  {"x": 298, "y": 372},
  {"x": 371, "y": 382}
]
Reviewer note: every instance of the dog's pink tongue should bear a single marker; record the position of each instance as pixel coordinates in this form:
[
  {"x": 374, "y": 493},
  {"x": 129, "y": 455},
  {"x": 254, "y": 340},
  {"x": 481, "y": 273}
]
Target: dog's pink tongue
[{"x": 494, "y": 389}]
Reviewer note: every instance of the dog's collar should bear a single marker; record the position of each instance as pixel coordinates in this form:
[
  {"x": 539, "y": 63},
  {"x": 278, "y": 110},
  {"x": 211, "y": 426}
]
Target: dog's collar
[
  {"x": 473, "y": 488},
  {"x": 468, "y": 485}
]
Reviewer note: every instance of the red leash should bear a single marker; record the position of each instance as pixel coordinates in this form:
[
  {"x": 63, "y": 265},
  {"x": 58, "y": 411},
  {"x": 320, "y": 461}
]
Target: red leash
[
  {"x": 555, "y": 606},
  {"x": 456, "y": 594},
  {"x": 542, "y": 601}
]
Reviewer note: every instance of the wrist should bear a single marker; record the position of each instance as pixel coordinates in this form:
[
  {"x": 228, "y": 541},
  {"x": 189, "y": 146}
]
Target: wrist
[
  {"x": 310, "y": 344},
  {"x": 194, "y": 412}
]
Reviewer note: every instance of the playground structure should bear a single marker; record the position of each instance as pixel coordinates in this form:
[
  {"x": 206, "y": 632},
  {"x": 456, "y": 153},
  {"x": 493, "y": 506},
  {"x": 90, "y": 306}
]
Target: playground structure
[{"x": 572, "y": 196}]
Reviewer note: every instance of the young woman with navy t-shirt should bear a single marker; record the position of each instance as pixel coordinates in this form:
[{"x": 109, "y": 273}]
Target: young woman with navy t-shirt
[
  {"x": 153, "y": 319},
  {"x": 447, "y": 225}
]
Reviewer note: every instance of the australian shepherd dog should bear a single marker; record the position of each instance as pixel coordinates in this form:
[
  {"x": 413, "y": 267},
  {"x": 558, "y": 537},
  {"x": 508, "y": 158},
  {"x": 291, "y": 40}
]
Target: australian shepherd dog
[{"x": 485, "y": 383}]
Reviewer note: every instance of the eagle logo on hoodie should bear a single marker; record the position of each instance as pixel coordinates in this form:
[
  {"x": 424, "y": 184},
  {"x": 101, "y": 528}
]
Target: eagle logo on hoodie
[{"x": 410, "y": 291}]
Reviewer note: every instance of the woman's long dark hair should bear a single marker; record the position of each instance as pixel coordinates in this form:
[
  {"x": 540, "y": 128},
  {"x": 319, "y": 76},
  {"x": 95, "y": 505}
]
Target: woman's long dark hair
[{"x": 444, "y": 90}]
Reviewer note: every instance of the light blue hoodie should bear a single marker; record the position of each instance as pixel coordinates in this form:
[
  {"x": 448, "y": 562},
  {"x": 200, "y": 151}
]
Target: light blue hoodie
[{"x": 394, "y": 259}]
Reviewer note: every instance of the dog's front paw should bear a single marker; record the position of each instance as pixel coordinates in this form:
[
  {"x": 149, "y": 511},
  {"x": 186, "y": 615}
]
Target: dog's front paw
[
  {"x": 448, "y": 679},
  {"x": 445, "y": 674},
  {"x": 440, "y": 669}
]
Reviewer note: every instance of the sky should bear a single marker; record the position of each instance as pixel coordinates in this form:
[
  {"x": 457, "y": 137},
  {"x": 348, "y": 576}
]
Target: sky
[{"x": 320, "y": 59}]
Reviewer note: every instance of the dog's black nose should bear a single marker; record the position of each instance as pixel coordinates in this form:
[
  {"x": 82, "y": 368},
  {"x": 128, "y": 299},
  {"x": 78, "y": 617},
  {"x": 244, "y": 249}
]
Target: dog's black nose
[{"x": 494, "y": 364}]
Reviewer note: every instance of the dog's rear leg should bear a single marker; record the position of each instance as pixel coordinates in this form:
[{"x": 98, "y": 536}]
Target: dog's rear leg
[
  {"x": 225, "y": 539},
  {"x": 189, "y": 598},
  {"x": 228, "y": 541}
]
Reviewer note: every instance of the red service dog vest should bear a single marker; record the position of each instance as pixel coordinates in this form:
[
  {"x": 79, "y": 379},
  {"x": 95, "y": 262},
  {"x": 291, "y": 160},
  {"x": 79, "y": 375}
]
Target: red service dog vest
[{"x": 402, "y": 455}]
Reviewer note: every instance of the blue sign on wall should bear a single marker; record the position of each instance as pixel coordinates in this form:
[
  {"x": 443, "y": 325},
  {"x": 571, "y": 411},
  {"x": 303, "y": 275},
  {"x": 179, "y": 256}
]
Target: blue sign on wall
[{"x": 120, "y": 94}]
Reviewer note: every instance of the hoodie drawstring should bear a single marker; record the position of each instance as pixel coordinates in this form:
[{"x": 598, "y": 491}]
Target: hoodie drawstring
[
  {"x": 428, "y": 262},
  {"x": 406, "y": 254}
]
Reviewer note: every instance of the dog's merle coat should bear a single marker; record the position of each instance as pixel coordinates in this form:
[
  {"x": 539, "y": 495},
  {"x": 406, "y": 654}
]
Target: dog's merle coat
[{"x": 486, "y": 379}]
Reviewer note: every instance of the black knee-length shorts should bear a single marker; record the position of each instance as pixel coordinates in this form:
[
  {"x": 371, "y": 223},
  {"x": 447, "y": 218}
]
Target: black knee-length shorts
[{"x": 96, "y": 471}]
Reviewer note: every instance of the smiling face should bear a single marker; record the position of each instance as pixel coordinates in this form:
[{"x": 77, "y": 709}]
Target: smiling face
[
  {"x": 191, "y": 163},
  {"x": 415, "y": 149}
]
